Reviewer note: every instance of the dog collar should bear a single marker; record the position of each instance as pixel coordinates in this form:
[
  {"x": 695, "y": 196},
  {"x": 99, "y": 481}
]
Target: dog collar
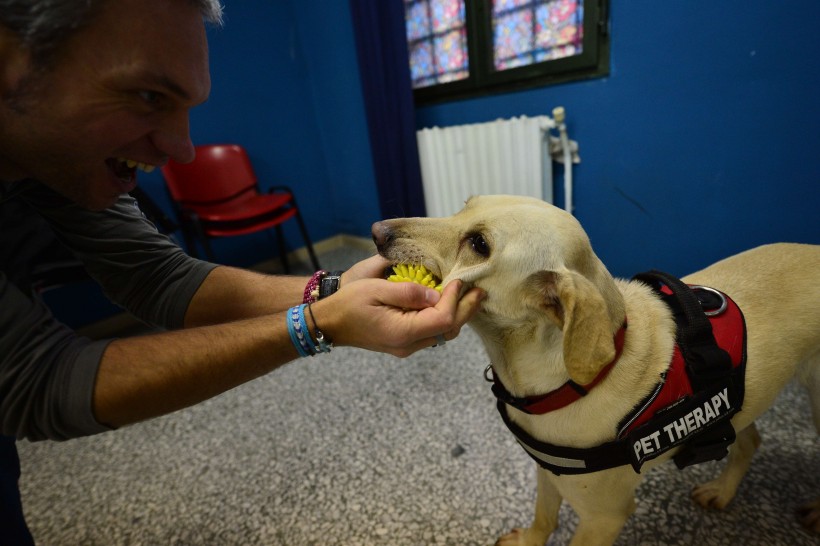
[{"x": 563, "y": 396}]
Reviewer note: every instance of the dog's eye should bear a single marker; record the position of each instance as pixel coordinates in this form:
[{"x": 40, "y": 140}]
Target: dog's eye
[{"x": 480, "y": 245}]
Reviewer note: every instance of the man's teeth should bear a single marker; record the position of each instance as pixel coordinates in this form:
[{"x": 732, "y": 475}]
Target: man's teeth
[{"x": 130, "y": 163}]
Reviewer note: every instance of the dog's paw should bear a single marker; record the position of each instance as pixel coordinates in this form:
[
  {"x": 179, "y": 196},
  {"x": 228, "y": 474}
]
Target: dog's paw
[
  {"x": 712, "y": 494},
  {"x": 809, "y": 515},
  {"x": 521, "y": 537}
]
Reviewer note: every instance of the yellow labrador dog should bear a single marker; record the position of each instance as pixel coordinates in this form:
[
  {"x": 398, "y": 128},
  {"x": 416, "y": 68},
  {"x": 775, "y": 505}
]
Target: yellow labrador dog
[{"x": 552, "y": 317}]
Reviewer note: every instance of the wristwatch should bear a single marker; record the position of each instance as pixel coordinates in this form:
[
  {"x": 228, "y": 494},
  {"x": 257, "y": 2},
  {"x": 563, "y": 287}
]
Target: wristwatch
[{"x": 330, "y": 283}]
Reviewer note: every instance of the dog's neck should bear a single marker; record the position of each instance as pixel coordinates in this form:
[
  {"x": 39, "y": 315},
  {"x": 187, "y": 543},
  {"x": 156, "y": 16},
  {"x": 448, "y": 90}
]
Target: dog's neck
[
  {"x": 558, "y": 398},
  {"x": 528, "y": 360}
]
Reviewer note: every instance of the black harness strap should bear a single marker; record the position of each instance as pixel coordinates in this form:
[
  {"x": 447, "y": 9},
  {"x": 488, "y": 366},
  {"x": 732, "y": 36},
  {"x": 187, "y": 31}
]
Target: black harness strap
[
  {"x": 567, "y": 460},
  {"x": 706, "y": 362}
]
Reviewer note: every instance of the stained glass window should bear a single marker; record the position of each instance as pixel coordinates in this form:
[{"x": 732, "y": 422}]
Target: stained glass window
[
  {"x": 527, "y": 32},
  {"x": 437, "y": 40},
  {"x": 464, "y": 48}
]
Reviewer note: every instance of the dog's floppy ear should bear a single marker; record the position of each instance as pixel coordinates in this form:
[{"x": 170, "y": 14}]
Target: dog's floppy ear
[{"x": 578, "y": 308}]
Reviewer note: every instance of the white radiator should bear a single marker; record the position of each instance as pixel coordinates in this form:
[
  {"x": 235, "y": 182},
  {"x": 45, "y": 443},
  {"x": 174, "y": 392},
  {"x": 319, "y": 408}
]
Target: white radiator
[{"x": 506, "y": 156}]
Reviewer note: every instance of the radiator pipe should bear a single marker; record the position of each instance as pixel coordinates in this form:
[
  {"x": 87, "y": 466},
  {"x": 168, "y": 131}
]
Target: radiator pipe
[{"x": 559, "y": 115}]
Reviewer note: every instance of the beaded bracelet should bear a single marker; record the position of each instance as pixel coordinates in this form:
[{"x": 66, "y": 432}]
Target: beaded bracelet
[
  {"x": 300, "y": 332},
  {"x": 321, "y": 285},
  {"x": 296, "y": 329},
  {"x": 312, "y": 288}
]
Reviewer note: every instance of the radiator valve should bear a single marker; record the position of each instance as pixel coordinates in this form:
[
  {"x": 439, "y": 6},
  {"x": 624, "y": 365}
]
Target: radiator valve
[{"x": 558, "y": 114}]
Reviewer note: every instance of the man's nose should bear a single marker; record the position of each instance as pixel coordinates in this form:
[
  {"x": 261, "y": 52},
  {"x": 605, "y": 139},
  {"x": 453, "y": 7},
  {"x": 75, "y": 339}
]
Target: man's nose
[{"x": 173, "y": 139}]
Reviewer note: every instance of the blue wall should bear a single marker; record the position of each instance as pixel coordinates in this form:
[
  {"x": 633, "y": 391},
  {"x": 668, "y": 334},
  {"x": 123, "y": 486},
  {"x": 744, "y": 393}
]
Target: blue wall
[{"x": 703, "y": 141}]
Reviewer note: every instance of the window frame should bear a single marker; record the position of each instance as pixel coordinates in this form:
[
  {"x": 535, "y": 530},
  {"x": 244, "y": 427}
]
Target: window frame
[{"x": 484, "y": 79}]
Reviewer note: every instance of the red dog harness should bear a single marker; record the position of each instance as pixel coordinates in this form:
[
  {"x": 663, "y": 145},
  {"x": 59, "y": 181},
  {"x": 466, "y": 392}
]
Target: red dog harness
[{"x": 690, "y": 407}]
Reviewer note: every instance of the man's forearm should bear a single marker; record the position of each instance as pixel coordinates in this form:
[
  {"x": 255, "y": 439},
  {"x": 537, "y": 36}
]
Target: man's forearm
[
  {"x": 235, "y": 331},
  {"x": 229, "y": 294},
  {"x": 144, "y": 377}
]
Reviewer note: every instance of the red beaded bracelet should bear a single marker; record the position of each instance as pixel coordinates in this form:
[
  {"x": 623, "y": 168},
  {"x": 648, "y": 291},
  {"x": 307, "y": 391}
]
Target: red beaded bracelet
[{"x": 312, "y": 287}]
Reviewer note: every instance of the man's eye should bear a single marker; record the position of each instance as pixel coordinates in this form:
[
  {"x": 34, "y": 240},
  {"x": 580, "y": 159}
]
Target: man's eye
[{"x": 151, "y": 97}]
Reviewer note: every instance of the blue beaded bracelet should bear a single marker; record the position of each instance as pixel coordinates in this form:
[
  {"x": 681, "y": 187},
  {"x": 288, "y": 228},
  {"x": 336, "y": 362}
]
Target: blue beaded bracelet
[{"x": 297, "y": 329}]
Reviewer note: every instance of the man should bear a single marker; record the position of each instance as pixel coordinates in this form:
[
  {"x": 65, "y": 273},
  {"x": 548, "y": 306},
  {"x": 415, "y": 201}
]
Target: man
[{"x": 88, "y": 88}]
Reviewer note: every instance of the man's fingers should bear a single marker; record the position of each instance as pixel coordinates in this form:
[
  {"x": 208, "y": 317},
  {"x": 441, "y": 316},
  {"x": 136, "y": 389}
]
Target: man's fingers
[
  {"x": 444, "y": 316},
  {"x": 408, "y": 295},
  {"x": 430, "y": 314},
  {"x": 449, "y": 297},
  {"x": 466, "y": 307},
  {"x": 469, "y": 305},
  {"x": 370, "y": 268}
]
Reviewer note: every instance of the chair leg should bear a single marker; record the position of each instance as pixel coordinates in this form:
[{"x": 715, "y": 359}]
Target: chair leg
[
  {"x": 208, "y": 250},
  {"x": 190, "y": 241},
  {"x": 283, "y": 250},
  {"x": 199, "y": 233},
  {"x": 306, "y": 237}
]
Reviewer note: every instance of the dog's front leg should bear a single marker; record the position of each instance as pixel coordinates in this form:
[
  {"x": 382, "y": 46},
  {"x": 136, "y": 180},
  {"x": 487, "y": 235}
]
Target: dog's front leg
[
  {"x": 603, "y": 501},
  {"x": 720, "y": 491},
  {"x": 547, "y": 503},
  {"x": 601, "y": 529}
]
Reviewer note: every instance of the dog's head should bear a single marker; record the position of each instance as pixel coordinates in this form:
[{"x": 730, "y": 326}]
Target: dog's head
[{"x": 536, "y": 265}]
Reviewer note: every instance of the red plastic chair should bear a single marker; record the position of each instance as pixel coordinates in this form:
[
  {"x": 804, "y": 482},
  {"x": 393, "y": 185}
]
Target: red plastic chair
[{"x": 217, "y": 195}]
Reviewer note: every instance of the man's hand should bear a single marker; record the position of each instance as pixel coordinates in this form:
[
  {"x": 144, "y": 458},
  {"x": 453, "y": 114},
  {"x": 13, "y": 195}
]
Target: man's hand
[
  {"x": 370, "y": 268},
  {"x": 394, "y": 318}
]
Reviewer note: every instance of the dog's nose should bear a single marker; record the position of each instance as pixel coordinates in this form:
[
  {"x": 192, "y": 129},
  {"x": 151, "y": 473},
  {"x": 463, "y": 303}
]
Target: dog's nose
[{"x": 382, "y": 234}]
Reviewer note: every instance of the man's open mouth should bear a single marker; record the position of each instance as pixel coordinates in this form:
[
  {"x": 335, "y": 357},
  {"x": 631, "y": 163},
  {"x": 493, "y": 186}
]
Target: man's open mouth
[{"x": 125, "y": 169}]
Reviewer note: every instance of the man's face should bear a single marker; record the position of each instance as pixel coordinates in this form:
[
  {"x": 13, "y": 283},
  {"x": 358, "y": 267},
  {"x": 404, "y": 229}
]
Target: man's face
[{"x": 121, "y": 88}]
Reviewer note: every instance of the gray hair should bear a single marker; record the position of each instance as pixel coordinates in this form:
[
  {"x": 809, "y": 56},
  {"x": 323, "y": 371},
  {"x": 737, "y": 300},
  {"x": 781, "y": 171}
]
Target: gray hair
[{"x": 42, "y": 25}]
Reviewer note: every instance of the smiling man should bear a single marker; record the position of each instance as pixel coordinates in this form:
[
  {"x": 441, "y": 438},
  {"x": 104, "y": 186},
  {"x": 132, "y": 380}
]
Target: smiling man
[
  {"x": 91, "y": 91},
  {"x": 108, "y": 98}
]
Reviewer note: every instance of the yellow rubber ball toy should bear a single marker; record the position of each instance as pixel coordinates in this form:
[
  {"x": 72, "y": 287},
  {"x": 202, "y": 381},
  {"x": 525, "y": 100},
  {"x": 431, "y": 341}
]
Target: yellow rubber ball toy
[{"x": 414, "y": 273}]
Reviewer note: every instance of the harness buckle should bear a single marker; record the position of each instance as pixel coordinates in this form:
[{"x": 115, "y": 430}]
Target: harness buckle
[
  {"x": 708, "y": 309},
  {"x": 712, "y": 445},
  {"x": 489, "y": 373}
]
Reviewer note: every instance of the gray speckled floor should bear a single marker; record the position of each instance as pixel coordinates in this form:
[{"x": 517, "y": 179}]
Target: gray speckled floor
[{"x": 356, "y": 448}]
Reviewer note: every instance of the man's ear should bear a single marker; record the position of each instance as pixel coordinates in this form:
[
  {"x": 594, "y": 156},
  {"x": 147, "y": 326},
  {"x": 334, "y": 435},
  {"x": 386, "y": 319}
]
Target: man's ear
[{"x": 576, "y": 306}]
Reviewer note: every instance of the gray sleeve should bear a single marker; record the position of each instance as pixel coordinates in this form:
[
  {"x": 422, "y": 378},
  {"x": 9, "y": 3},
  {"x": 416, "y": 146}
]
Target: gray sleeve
[
  {"x": 138, "y": 268},
  {"x": 47, "y": 372}
]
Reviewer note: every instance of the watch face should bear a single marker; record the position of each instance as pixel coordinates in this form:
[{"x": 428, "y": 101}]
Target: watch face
[{"x": 330, "y": 284}]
